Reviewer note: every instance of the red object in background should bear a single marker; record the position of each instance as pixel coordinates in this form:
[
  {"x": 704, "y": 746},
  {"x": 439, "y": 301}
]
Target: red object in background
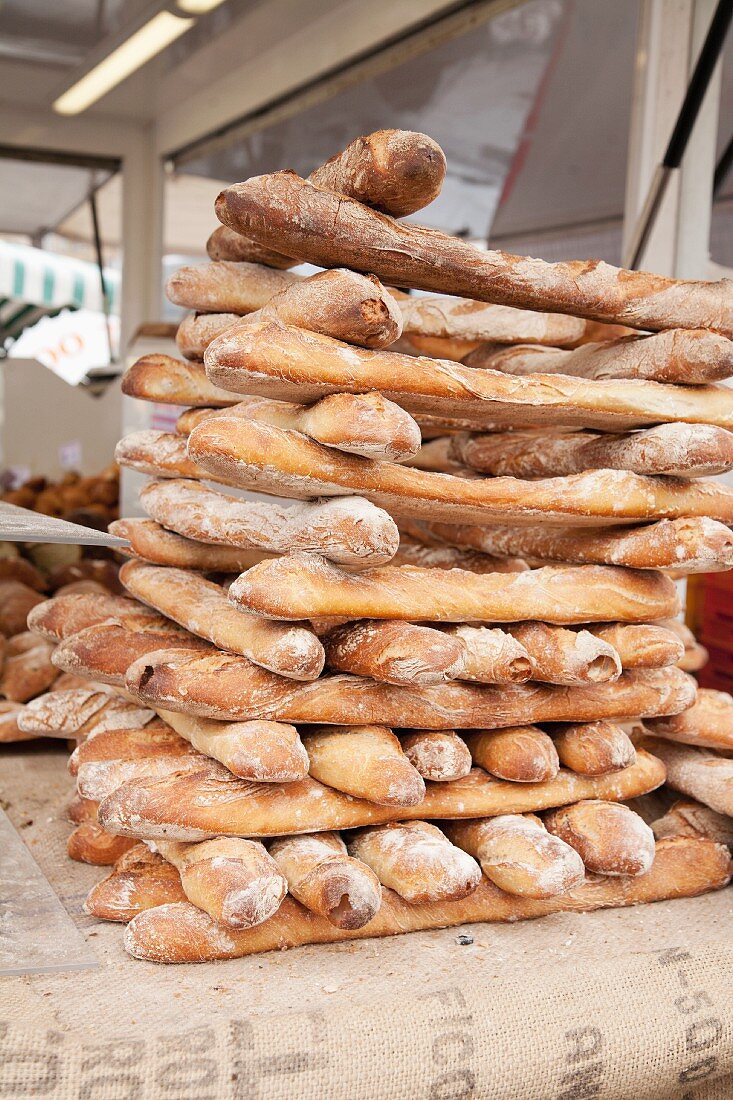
[{"x": 710, "y": 616}]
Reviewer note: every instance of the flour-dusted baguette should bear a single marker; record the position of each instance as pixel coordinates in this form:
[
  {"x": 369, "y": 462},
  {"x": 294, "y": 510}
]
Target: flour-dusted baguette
[
  {"x": 303, "y": 586},
  {"x": 328, "y": 229},
  {"x": 519, "y": 754},
  {"x": 594, "y": 748},
  {"x": 140, "y": 880},
  {"x": 98, "y": 779},
  {"x": 691, "y": 356},
  {"x": 62, "y": 616},
  {"x": 678, "y": 450},
  {"x": 226, "y": 687},
  {"x": 438, "y": 755},
  {"x": 351, "y": 531},
  {"x": 449, "y": 557},
  {"x": 461, "y": 320},
  {"x": 235, "y": 881},
  {"x": 699, "y": 773},
  {"x": 366, "y": 762},
  {"x": 17, "y": 600},
  {"x": 195, "y": 806},
  {"x": 324, "y": 878},
  {"x": 82, "y": 810},
  {"x": 708, "y": 723},
  {"x": 105, "y": 651},
  {"x": 417, "y": 861},
  {"x": 610, "y": 838},
  {"x": 90, "y": 843},
  {"x": 641, "y": 645},
  {"x": 80, "y": 712},
  {"x": 519, "y": 855},
  {"x": 160, "y": 454},
  {"x": 492, "y": 656},
  {"x": 130, "y": 744},
  {"x": 10, "y": 731},
  {"x": 27, "y": 670},
  {"x": 561, "y": 656},
  {"x": 291, "y": 650},
  {"x": 267, "y": 459},
  {"x": 697, "y": 545},
  {"x": 260, "y": 751},
  {"x": 686, "y": 817},
  {"x": 197, "y": 330},
  {"x": 225, "y": 244},
  {"x": 169, "y": 381},
  {"x": 436, "y": 456},
  {"x": 291, "y": 364},
  {"x": 224, "y": 286},
  {"x": 395, "y": 652},
  {"x": 152, "y": 542}
]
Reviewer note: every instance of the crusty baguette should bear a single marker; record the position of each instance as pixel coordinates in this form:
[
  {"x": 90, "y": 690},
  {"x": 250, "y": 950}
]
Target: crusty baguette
[
  {"x": 291, "y": 364},
  {"x": 610, "y": 838},
  {"x": 197, "y": 330},
  {"x": 561, "y": 656},
  {"x": 677, "y": 450},
  {"x": 195, "y": 806},
  {"x": 17, "y": 600},
  {"x": 226, "y": 286},
  {"x": 100, "y": 778},
  {"x": 417, "y": 861},
  {"x": 62, "y": 616},
  {"x": 225, "y": 687},
  {"x": 181, "y": 933},
  {"x": 27, "y": 670},
  {"x": 80, "y": 810},
  {"x": 694, "y": 658},
  {"x": 684, "y": 545},
  {"x": 707, "y": 724},
  {"x": 492, "y": 656},
  {"x": 686, "y": 817},
  {"x": 469, "y": 322},
  {"x": 263, "y": 752},
  {"x": 152, "y": 542},
  {"x": 160, "y": 454},
  {"x": 103, "y": 652},
  {"x": 395, "y": 652},
  {"x": 699, "y": 773},
  {"x": 10, "y": 731},
  {"x": 225, "y": 244},
  {"x": 641, "y": 645},
  {"x": 436, "y": 456},
  {"x": 438, "y": 755},
  {"x": 90, "y": 843},
  {"x": 291, "y": 650},
  {"x": 690, "y": 356},
  {"x": 366, "y": 762},
  {"x": 519, "y": 754},
  {"x": 519, "y": 855},
  {"x": 324, "y": 878},
  {"x": 363, "y": 424},
  {"x": 351, "y": 531},
  {"x": 328, "y": 229},
  {"x": 140, "y": 880},
  {"x": 235, "y": 881},
  {"x": 594, "y": 748},
  {"x": 169, "y": 381},
  {"x": 302, "y": 586},
  {"x": 263, "y": 458},
  {"x": 79, "y": 712},
  {"x": 130, "y": 744}
]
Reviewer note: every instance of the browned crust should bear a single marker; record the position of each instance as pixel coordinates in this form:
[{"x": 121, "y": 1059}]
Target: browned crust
[
  {"x": 170, "y": 381},
  {"x": 153, "y": 543}
]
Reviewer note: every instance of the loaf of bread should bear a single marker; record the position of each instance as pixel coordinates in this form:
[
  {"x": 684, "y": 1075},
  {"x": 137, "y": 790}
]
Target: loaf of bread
[
  {"x": 470, "y": 323},
  {"x": 105, "y": 651},
  {"x": 327, "y": 229},
  {"x": 610, "y": 838},
  {"x": 324, "y": 878},
  {"x": 594, "y": 748},
  {"x": 395, "y": 652},
  {"x": 641, "y": 645},
  {"x": 417, "y": 861},
  {"x": 79, "y": 712},
  {"x": 80, "y": 810},
  {"x": 686, "y": 817},
  {"x": 411, "y": 552},
  {"x": 169, "y": 381},
  {"x": 225, "y": 244},
  {"x": 160, "y": 454},
  {"x": 155, "y": 544},
  {"x": 130, "y": 745},
  {"x": 438, "y": 755},
  {"x": 195, "y": 806},
  {"x": 492, "y": 656},
  {"x": 100, "y": 778},
  {"x": 519, "y": 855},
  {"x": 62, "y": 616},
  {"x": 291, "y": 364},
  {"x": 519, "y": 754},
  {"x": 27, "y": 670},
  {"x": 302, "y": 586},
  {"x": 678, "y": 450},
  {"x": 140, "y": 880},
  {"x": 16, "y": 601},
  {"x": 694, "y": 659},
  {"x": 90, "y": 843},
  {"x": 267, "y": 459},
  {"x": 561, "y": 656},
  {"x": 366, "y": 762},
  {"x": 699, "y": 773},
  {"x": 351, "y": 531},
  {"x": 708, "y": 723},
  {"x": 10, "y": 731},
  {"x": 224, "y": 286},
  {"x": 197, "y": 330}
]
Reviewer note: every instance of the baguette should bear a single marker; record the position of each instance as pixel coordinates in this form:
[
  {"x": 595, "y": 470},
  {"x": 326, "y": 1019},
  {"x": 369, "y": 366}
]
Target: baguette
[
  {"x": 350, "y": 531},
  {"x": 225, "y": 244},
  {"x": 435, "y": 456},
  {"x": 224, "y": 286},
  {"x": 519, "y": 754},
  {"x": 98, "y": 779},
  {"x": 492, "y": 656},
  {"x": 197, "y": 330},
  {"x": 469, "y": 323},
  {"x": 691, "y": 356},
  {"x": 677, "y": 450},
  {"x": 438, "y": 755},
  {"x": 689, "y": 818},
  {"x": 27, "y": 670},
  {"x": 263, "y": 458},
  {"x": 366, "y": 762},
  {"x": 229, "y": 688},
  {"x": 708, "y": 723},
  {"x": 10, "y": 731},
  {"x": 697, "y": 773},
  {"x": 129, "y": 745},
  {"x": 90, "y": 843},
  {"x": 327, "y": 229},
  {"x": 594, "y": 748},
  {"x": 694, "y": 659},
  {"x": 62, "y": 616},
  {"x": 81, "y": 810},
  {"x": 610, "y": 838},
  {"x": 291, "y": 650},
  {"x": 641, "y": 645},
  {"x": 519, "y": 855},
  {"x": 561, "y": 656},
  {"x": 81, "y": 712},
  {"x": 152, "y": 542},
  {"x": 169, "y": 381},
  {"x": 448, "y": 557},
  {"x": 302, "y": 586},
  {"x": 291, "y": 364},
  {"x": 140, "y": 880},
  {"x": 324, "y": 878},
  {"x": 195, "y": 806},
  {"x": 235, "y": 881},
  {"x": 417, "y": 861},
  {"x": 684, "y": 545},
  {"x": 160, "y": 454},
  {"x": 17, "y": 600},
  {"x": 395, "y": 652},
  {"x": 104, "y": 652}
]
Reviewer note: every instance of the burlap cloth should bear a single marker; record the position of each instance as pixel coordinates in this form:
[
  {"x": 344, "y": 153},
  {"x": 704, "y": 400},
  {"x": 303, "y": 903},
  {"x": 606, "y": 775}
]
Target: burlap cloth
[{"x": 625, "y": 1003}]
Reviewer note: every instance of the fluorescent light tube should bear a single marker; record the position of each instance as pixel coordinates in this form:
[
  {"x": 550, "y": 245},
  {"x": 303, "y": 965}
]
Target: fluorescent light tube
[
  {"x": 132, "y": 54},
  {"x": 198, "y": 7}
]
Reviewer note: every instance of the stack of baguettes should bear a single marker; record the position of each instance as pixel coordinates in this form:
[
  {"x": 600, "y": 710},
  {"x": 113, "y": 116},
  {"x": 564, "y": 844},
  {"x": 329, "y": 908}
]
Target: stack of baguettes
[{"x": 470, "y": 599}]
